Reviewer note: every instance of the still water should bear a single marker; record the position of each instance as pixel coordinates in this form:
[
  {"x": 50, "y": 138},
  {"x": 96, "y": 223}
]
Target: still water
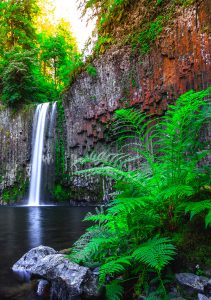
[{"x": 22, "y": 228}]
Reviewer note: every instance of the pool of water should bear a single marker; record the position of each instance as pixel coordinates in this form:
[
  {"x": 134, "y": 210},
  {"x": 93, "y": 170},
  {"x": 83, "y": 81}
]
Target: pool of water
[{"x": 22, "y": 228}]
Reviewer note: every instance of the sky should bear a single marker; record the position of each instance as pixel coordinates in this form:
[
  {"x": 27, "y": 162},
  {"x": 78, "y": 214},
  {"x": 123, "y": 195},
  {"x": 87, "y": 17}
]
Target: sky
[{"x": 67, "y": 9}]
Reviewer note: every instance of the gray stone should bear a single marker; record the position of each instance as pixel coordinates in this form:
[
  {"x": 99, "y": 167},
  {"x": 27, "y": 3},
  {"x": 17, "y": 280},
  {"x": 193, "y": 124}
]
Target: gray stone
[
  {"x": 207, "y": 288},
  {"x": 203, "y": 297},
  {"x": 31, "y": 258},
  {"x": 191, "y": 284},
  {"x": 68, "y": 280},
  {"x": 43, "y": 285}
]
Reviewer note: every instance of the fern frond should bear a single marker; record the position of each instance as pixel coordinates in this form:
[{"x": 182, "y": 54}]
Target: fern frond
[
  {"x": 114, "y": 290},
  {"x": 208, "y": 219},
  {"x": 114, "y": 267},
  {"x": 155, "y": 253},
  {"x": 195, "y": 208},
  {"x": 127, "y": 204},
  {"x": 177, "y": 191}
]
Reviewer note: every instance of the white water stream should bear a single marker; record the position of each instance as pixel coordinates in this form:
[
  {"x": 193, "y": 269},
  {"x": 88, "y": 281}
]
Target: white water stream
[{"x": 39, "y": 125}]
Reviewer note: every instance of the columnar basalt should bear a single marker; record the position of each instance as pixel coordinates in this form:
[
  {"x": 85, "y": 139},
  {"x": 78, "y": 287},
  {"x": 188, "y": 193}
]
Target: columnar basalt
[
  {"x": 15, "y": 146},
  {"x": 179, "y": 61}
]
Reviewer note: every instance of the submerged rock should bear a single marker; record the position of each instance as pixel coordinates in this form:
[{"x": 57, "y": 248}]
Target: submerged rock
[{"x": 67, "y": 280}]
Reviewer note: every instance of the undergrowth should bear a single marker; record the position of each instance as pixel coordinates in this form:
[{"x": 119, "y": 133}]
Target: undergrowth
[{"x": 160, "y": 189}]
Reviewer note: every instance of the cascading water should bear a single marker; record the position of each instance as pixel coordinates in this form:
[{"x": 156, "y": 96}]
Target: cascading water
[{"x": 38, "y": 134}]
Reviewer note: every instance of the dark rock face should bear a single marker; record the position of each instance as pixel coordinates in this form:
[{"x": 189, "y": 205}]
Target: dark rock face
[
  {"x": 67, "y": 280},
  {"x": 15, "y": 146},
  {"x": 179, "y": 61},
  {"x": 192, "y": 285}
]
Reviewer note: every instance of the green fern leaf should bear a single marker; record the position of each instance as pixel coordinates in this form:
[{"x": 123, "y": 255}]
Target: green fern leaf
[
  {"x": 155, "y": 253},
  {"x": 114, "y": 267},
  {"x": 196, "y": 208},
  {"x": 208, "y": 219},
  {"x": 114, "y": 290}
]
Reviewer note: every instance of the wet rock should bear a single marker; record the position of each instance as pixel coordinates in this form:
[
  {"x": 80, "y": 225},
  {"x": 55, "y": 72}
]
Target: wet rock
[
  {"x": 191, "y": 284},
  {"x": 43, "y": 288},
  {"x": 203, "y": 297},
  {"x": 67, "y": 280},
  {"x": 31, "y": 258},
  {"x": 207, "y": 288}
]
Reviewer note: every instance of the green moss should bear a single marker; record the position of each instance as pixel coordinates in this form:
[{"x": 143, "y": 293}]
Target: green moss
[
  {"x": 150, "y": 34},
  {"x": 61, "y": 193},
  {"x": 91, "y": 70},
  {"x": 16, "y": 192}
]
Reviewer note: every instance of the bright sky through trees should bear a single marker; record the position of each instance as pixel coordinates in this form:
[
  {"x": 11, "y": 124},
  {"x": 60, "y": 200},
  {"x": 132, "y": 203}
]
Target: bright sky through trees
[{"x": 67, "y": 9}]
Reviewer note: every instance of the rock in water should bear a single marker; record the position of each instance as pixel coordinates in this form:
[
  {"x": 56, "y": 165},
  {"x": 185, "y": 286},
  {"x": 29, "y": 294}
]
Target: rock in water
[
  {"x": 69, "y": 281},
  {"x": 31, "y": 258}
]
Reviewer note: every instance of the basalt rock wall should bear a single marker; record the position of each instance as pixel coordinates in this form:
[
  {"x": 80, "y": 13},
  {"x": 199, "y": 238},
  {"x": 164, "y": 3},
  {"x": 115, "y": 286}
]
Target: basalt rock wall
[
  {"x": 179, "y": 60},
  {"x": 15, "y": 151}
]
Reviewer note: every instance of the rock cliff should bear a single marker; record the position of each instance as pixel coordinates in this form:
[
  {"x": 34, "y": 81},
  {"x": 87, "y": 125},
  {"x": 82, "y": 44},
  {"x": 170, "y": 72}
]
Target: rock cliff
[
  {"x": 15, "y": 151},
  {"x": 179, "y": 60}
]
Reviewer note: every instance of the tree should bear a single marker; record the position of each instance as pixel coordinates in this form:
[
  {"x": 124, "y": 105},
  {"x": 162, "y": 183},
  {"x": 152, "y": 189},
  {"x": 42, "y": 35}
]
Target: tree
[
  {"x": 57, "y": 51},
  {"x": 16, "y": 23},
  {"x": 18, "y": 76}
]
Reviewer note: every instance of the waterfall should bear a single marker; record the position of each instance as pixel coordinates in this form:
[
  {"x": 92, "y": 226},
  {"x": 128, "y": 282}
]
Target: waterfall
[{"x": 38, "y": 135}]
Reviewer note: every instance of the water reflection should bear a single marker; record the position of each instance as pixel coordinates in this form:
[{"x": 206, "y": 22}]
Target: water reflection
[
  {"x": 35, "y": 226},
  {"x": 22, "y": 228}
]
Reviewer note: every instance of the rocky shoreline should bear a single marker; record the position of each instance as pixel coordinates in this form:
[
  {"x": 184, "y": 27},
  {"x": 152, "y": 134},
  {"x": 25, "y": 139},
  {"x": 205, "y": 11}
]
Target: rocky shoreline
[
  {"x": 54, "y": 272},
  {"x": 62, "y": 279}
]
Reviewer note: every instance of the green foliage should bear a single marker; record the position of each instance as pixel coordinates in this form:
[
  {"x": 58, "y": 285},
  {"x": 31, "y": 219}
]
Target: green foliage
[
  {"x": 155, "y": 253},
  {"x": 196, "y": 208},
  {"x": 101, "y": 44},
  {"x": 16, "y": 192},
  {"x": 91, "y": 70},
  {"x": 34, "y": 67},
  {"x": 114, "y": 290},
  {"x": 60, "y": 193},
  {"x": 16, "y": 23},
  {"x": 114, "y": 17},
  {"x": 155, "y": 183},
  {"x": 61, "y": 190},
  {"x": 18, "y": 78},
  {"x": 149, "y": 35}
]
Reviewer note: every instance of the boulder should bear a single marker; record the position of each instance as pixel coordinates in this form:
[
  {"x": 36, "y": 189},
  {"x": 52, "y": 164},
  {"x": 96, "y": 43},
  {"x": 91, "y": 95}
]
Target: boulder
[
  {"x": 191, "y": 283},
  {"x": 68, "y": 280},
  {"x": 31, "y": 258}
]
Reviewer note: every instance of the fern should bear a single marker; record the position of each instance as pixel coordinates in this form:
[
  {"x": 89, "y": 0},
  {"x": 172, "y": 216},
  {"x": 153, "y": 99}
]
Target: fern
[
  {"x": 157, "y": 179},
  {"x": 114, "y": 267},
  {"x": 114, "y": 290},
  {"x": 155, "y": 253},
  {"x": 196, "y": 208}
]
